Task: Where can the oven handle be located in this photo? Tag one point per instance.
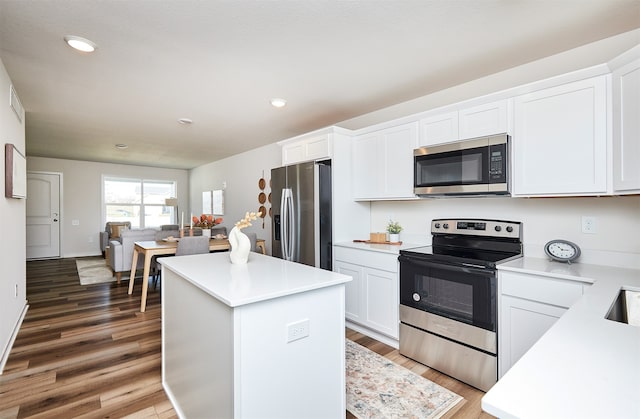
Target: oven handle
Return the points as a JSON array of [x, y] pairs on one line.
[[464, 267]]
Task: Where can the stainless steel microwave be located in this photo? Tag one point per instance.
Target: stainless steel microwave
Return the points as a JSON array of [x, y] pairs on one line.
[[479, 166]]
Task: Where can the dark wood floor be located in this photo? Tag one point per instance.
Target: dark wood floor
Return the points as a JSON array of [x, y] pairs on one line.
[[87, 351]]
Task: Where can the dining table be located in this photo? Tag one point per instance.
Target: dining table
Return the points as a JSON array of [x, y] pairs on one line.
[[152, 248]]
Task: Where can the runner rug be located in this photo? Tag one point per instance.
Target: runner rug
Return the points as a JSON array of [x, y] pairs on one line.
[[379, 388], [94, 270]]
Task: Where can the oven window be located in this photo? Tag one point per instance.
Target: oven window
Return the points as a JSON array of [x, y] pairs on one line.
[[455, 292], [452, 298], [453, 168]]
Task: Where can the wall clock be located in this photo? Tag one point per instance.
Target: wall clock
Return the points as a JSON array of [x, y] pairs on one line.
[[562, 250]]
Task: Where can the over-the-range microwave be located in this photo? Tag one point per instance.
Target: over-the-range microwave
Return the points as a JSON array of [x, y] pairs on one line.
[[478, 166]]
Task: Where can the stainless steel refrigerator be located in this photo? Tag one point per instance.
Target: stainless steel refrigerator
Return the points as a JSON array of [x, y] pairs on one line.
[[301, 222]]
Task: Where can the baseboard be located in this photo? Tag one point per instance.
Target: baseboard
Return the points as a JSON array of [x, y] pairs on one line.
[[373, 334], [14, 334]]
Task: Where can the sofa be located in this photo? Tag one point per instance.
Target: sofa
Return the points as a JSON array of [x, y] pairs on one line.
[[121, 249], [112, 231]]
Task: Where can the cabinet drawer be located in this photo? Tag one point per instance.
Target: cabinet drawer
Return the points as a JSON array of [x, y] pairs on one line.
[[371, 259], [558, 292]]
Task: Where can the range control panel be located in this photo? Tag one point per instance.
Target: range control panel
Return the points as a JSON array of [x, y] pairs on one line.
[[477, 227]]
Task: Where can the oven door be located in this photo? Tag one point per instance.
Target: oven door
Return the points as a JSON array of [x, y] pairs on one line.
[[466, 293], [466, 167]]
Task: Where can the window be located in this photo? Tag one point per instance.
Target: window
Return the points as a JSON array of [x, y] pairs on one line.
[[140, 201]]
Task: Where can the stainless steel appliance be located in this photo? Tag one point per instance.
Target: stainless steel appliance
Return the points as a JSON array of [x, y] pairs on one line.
[[448, 297], [478, 166], [301, 222]]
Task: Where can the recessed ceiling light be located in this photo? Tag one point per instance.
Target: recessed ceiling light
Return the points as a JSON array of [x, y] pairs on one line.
[[185, 121], [278, 103], [122, 146], [81, 44]]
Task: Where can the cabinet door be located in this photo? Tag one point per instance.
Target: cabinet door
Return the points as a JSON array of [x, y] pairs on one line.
[[381, 301], [626, 128], [439, 129], [353, 290], [367, 173], [560, 140], [308, 149], [482, 120], [399, 144], [522, 323], [383, 163]]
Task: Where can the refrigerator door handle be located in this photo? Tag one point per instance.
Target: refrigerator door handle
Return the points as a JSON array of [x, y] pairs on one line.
[[286, 210], [291, 240]]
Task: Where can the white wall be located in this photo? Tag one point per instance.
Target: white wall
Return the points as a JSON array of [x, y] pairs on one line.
[[241, 174], [82, 197], [12, 217], [618, 222]]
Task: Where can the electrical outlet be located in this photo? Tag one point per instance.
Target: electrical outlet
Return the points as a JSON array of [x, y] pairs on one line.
[[16, 291], [589, 225], [297, 330]]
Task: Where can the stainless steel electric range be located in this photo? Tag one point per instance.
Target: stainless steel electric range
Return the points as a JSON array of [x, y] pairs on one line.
[[448, 305]]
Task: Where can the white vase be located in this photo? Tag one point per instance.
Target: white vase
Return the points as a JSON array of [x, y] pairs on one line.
[[206, 232], [394, 238], [240, 246]]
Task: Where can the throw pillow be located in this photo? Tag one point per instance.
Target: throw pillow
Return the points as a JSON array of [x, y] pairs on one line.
[[116, 228]]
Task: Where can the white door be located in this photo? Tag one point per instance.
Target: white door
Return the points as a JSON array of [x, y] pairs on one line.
[[43, 215]]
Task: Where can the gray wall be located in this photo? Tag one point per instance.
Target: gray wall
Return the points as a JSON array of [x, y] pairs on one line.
[[82, 197], [12, 212], [241, 174]]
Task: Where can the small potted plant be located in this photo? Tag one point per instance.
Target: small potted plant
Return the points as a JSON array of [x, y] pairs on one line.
[[394, 228]]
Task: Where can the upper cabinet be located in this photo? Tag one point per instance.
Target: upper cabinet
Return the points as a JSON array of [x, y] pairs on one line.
[[626, 126], [316, 145], [439, 129], [383, 163], [478, 121], [560, 140]]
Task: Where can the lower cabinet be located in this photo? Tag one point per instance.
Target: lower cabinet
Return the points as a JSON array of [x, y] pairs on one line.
[[371, 298], [528, 306]]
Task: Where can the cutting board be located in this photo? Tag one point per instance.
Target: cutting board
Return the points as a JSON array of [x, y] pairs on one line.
[[377, 242]]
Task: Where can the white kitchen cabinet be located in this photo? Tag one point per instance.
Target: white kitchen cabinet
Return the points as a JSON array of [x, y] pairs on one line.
[[465, 123], [560, 140], [483, 120], [312, 146], [626, 128], [528, 306], [383, 163], [439, 129], [372, 297]]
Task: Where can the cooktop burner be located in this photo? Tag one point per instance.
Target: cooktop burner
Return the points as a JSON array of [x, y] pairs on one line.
[[471, 241]]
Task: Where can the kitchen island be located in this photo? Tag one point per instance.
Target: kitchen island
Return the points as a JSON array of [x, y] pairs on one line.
[[264, 339], [584, 366]]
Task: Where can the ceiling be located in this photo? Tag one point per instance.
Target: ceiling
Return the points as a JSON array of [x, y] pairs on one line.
[[219, 63]]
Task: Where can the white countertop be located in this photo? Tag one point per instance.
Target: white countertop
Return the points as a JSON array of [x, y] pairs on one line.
[[383, 248], [585, 366], [261, 278]]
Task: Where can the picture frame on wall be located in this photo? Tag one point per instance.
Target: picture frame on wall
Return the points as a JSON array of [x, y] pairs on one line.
[[15, 176]]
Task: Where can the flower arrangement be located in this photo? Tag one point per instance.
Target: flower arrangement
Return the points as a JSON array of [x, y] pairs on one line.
[[394, 227], [246, 221], [205, 221]]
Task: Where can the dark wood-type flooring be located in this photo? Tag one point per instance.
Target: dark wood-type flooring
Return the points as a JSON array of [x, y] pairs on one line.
[[87, 351]]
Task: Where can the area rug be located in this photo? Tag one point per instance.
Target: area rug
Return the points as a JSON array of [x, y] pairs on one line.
[[379, 388], [94, 270]]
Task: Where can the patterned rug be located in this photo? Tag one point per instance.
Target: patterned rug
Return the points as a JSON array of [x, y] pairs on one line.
[[94, 270], [380, 388]]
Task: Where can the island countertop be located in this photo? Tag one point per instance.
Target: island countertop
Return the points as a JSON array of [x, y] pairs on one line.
[[585, 366], [261, 278]]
